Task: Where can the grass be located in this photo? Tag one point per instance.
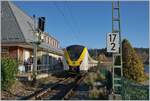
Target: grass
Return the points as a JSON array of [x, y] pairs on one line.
[[94, 92], [90, 79]]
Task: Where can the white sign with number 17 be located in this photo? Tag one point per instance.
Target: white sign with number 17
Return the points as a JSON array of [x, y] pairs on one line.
[[113, 42]]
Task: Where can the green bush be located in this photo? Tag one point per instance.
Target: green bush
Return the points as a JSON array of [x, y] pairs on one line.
[[8, 71]]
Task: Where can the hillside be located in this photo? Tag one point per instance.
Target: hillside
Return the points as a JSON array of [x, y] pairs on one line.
[[143, 54], [99, 53]]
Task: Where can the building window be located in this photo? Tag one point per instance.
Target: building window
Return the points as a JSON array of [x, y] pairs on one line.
[[54, 43], [51, 41], [5, 50], [47, 39], [44, 38], [58, 45]]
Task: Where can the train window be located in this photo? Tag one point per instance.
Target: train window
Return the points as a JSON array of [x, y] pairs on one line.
[[74, 51]]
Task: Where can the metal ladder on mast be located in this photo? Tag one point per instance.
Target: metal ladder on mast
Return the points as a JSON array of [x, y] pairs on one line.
[[117, 67]]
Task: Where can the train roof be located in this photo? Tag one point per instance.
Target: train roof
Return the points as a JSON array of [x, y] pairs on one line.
[[75, 46]]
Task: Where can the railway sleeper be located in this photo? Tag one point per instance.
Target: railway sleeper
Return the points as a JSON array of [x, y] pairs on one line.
[[71, 92]]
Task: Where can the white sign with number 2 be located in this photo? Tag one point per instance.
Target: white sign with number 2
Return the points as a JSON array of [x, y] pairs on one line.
[[113, 42]]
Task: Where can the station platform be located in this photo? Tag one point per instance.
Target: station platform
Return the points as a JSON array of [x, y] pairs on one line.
[[28, 76]]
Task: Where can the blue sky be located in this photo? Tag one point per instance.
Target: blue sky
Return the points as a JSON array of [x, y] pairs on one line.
[[87, 23]]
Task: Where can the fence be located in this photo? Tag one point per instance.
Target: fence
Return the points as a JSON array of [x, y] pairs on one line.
[[42, 68], [134, 91], [130, 90]]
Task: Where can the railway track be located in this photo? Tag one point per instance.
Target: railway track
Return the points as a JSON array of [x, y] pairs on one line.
[[56, 91], [71, 92], [63, 89], [40, 92]]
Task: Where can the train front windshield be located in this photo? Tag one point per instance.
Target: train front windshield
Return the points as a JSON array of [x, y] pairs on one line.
[[74, 52]]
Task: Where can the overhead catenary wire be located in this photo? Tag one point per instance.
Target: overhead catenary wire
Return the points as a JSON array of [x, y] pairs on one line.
[[73, 19], [72, 23], [65, 18]]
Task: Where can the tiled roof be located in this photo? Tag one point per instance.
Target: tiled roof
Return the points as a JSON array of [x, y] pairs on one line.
[[16, 25]]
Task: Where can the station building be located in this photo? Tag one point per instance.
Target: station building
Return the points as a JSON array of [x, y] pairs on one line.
[[17, 36]]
